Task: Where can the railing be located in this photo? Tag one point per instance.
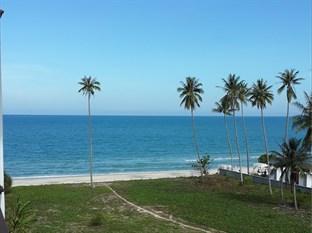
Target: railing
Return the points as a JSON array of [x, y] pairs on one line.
[[3, 226]]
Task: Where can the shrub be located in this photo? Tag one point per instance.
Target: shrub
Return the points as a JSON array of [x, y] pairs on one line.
[[96, 220], [20, 217], [7, 182], [263, 158], [202, 164]]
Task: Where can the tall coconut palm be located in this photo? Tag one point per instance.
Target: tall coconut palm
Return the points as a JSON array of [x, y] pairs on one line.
[[261, 95], [190, 93], [232, 87], [303, 121], [243, 99], [293, 157], [223, 106], [88, 88], [288, 80]]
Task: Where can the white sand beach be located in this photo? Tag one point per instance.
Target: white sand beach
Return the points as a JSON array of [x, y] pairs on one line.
[[109, 177]]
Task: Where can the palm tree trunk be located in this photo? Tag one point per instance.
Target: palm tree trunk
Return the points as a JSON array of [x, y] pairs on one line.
[[245, 136], [282, 184], [286, 123], [90, 143], [266, 151], [195, 140], [228, 141], [295, 196], [194, 136], [237, 147]]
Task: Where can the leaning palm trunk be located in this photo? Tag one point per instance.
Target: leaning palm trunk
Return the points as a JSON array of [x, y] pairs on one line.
[[266, 151], [195, 141], [286, 123], [245, 137], [228, 141], [237, 147], [90, 143]]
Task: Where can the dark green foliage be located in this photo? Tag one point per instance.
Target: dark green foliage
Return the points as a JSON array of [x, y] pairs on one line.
[[293, 158], [97, 220], [232, 87], [7, 182], [303, 122], [263, 158], [223, 106], [288, 80], [190, 93], [260, 94], [202, 164], [20, 217], [89, 85]]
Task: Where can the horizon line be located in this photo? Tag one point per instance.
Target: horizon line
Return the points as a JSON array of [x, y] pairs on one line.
[[134, 115]]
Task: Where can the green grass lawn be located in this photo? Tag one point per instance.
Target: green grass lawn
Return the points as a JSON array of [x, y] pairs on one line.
[[70, 208], [219, 203]]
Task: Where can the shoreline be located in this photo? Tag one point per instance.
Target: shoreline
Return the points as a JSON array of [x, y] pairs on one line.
[[104, 177], [109, 177]]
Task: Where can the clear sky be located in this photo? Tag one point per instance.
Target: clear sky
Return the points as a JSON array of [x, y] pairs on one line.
[[139, 50]]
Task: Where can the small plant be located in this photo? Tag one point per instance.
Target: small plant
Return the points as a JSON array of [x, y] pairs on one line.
[[7, 182], [202, 164], [21, 217], [96, 220]]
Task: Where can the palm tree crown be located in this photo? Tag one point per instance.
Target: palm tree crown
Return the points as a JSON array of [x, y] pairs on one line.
[[292, 159], [260, 94], [243, 92], [223, 106], [303, 121], [190, 92], [288, 80], [293, 156], [232, 89], [89, 85]]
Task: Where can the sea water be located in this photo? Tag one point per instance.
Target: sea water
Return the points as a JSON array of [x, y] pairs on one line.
[[58, 145]]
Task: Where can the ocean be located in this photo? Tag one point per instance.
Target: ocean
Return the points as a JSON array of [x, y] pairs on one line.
[[58, 145]]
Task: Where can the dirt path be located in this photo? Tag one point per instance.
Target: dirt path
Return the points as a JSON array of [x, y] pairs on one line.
[[152, 213]]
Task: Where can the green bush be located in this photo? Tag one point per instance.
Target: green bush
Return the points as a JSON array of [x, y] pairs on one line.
[[202, 164], [263, 158], [7, 182], [96, 220]]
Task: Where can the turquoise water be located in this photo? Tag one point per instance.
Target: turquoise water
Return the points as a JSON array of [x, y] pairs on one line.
[[58, 145]]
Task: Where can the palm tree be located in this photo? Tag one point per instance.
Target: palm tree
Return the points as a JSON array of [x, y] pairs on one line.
[[190, 93], [288, 80], [261, 95], [88, 88], [223, 106], [243, 99], [303, 121], [232, 88], [293, 158]]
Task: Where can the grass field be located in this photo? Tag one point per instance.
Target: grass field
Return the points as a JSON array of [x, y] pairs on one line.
[[218, 202], [221, 203]]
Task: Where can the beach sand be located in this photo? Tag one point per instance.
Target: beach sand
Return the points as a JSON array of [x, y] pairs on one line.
[[108, 177]]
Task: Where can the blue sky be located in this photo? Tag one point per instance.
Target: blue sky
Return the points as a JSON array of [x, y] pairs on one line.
[[140, 50]]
